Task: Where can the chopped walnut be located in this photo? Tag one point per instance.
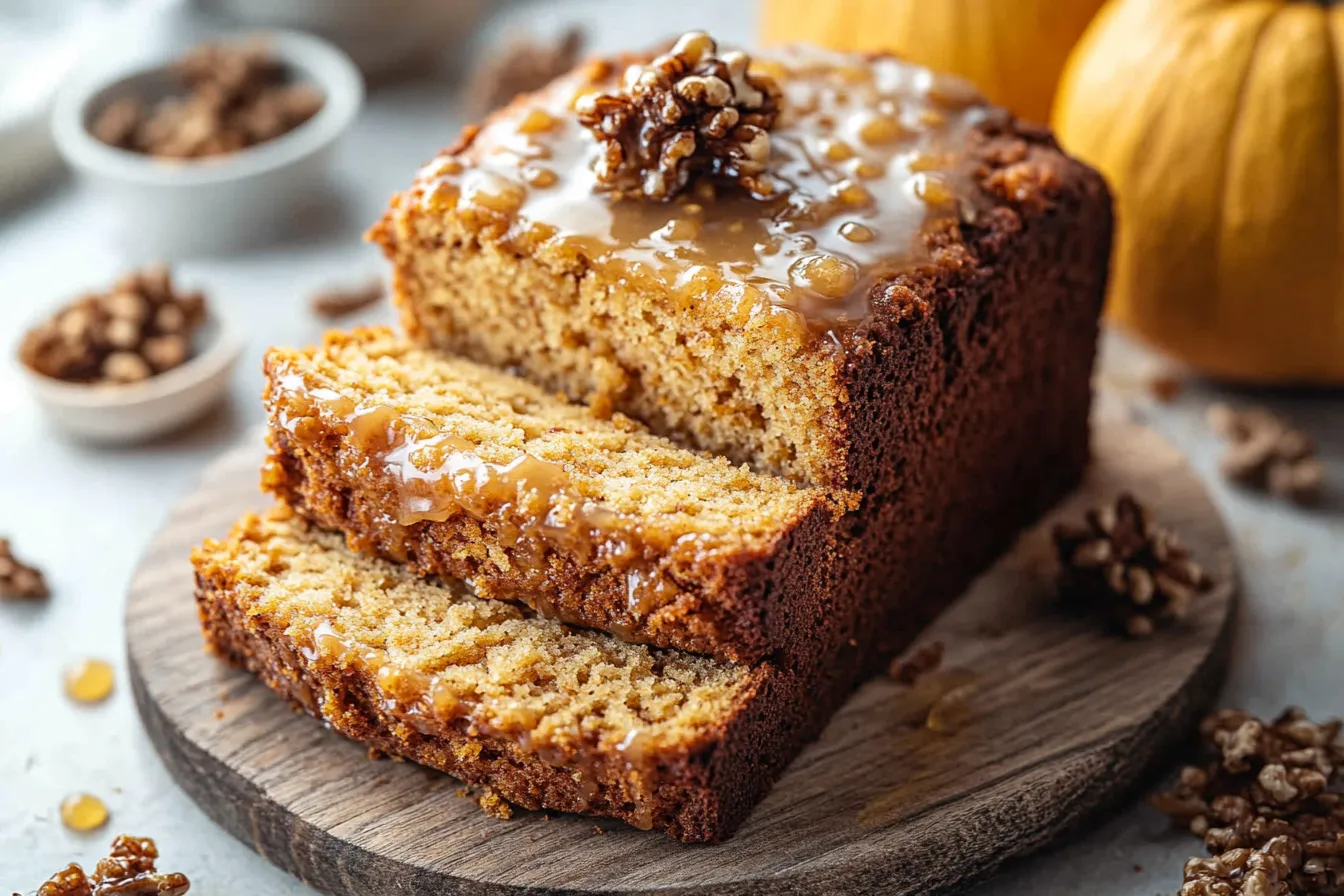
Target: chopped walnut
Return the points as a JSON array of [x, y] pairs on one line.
[[1245, 872], [1129, 568], [687, 113], [17, 579], [238, 95], [128, 870], [340, 301], [140, 327], [1264, 781], [919, 662], [524, 65], [1265, 452]]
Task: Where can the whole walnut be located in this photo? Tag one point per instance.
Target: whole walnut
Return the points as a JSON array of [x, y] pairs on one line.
[[688, 113]]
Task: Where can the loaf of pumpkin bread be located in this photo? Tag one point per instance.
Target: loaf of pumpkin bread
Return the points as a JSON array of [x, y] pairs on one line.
[[551, 717], [875, 282], [466, 472]]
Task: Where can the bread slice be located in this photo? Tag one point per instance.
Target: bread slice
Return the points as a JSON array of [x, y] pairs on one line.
[[469, 473], [550, 716]]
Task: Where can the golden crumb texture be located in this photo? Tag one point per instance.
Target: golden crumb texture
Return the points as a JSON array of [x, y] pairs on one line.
[[547, 715]]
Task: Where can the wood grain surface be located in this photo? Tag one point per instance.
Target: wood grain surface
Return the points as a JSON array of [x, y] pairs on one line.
[[1064, 722]]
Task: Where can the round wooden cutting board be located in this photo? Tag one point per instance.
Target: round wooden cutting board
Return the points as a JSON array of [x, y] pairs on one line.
[[1065, 721]]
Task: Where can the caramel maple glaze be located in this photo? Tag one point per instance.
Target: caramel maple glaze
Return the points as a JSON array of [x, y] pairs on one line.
[[720, 317], [550, 716], [465, 472]]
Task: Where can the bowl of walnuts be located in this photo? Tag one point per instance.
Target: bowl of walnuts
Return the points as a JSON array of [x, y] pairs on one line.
[[223, 147], [132, 362]]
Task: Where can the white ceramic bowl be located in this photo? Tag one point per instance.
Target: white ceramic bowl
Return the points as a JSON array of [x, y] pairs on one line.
[[137, 412], [168, 208]]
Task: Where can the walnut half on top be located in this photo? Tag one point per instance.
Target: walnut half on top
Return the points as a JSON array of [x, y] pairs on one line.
[[688, 112]]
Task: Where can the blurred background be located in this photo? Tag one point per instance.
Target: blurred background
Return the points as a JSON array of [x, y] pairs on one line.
[[1217, 125]]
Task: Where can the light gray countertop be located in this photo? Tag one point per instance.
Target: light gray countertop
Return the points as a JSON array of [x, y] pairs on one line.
[[84, 514]]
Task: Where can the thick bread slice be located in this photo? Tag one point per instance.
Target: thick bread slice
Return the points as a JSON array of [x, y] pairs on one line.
[[548, 715], [466, 472]]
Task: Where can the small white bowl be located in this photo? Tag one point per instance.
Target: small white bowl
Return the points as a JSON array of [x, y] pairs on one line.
[[171, 208], [136, 412]]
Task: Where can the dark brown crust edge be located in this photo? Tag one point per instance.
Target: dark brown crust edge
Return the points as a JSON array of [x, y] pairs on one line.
[[741, 607], [700, 793]]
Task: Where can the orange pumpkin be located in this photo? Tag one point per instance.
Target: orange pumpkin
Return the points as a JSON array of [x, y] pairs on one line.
[[1012, 49], [1217, 123]]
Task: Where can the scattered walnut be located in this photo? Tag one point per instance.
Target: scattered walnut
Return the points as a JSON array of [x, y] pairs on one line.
[[128, 870], [138, 328], [920, 661], [237, 96], [1266, 452], [524, 65], [1127, 567], [1245, 872], [1261, 782], [17, 579], [338, 301], [689, 112]]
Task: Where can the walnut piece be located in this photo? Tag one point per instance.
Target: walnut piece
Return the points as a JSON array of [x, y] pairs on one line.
[[524, 65], [1128, 568], [128, 870], [340, 301], [1266, 452], [1245, 872], [1263, 782], [17, 579], [237, 95], [140, 327], [688, 113]]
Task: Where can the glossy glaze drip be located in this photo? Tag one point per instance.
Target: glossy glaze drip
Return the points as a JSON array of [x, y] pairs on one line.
[[431, 704], [864, 155], [89, 681], [83, 812], [531, 504]]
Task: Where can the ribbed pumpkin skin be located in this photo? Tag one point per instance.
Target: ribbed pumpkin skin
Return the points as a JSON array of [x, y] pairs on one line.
[[1217, 123], [1012, 49]]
